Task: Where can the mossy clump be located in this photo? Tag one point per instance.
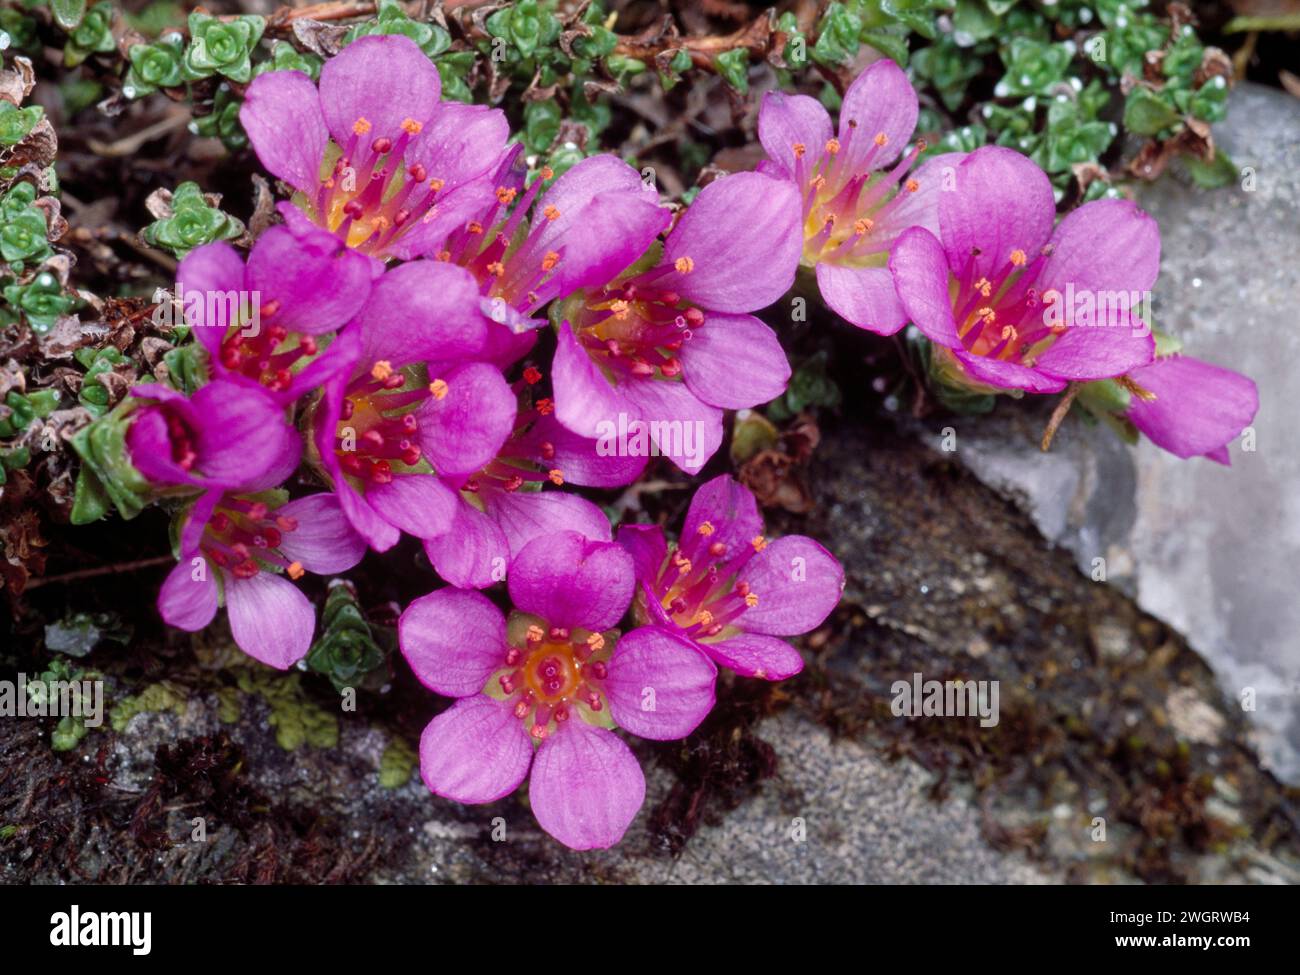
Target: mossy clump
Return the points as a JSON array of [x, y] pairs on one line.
[[297, 719]]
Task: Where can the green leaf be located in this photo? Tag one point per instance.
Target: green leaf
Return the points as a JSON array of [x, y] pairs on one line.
[[90, 502], [1218, 172], [17, 123], [1147, 113], [893, 46], [541, 125], [973, 21], [192, 224], [68, 13], [347, 649], [733, 67]]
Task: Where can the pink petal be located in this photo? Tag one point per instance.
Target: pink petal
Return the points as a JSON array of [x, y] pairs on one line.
[[756, 655], [185, 602], [524, 515], [270, 619], [1085, 353], [589, 178], [717, 234], [862, 296], [282, 116], [1198, 407], [683, 428], [797, 582], [460, 142], [456, 206], [731, 512], [1103, 246], [473, 552], [1007, 375], [584, 398], [785, 121], [214, 268], [603, 239], [659, 685], [933, 177], [1002, 202], [453, 639], [475, 751], [418, 504], [586, 787], [646, 545], [383, 79], [375, 529], [880, 100], [324, 541], [550, 444], [422, 311], [464, 430], [735, 361], [572, 581], [316, 281], [244, 441], [919, 268]]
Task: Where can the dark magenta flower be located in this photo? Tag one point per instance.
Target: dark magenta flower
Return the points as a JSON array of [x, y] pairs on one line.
[[374, 154], [728, 590], [266, 323], [1189, 407], [666, 350], [502, 505], [543, 690], [858, 189], [233, 549], [997, 290], [590, 225], [224, 436], [411, 404]]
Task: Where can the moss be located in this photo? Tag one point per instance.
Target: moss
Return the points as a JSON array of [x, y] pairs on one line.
[[297, 719], [397, 764], [229, 706], [162, 696]]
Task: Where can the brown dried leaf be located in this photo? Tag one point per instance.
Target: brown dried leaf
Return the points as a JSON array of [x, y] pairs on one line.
[[17, 82], [322, 39]]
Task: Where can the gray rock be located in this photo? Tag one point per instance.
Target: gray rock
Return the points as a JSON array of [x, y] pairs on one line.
[[1212, 551], [839, 813]]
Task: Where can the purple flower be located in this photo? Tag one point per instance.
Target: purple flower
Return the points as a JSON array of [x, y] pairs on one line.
[[262, 323], [855, 189], [727, 589], [668, 349], [990, 291], [1189, 407], [590, 225], [374, 155], [410, 406], [543, 689], [233, 548], [501, 507], [224, 436]]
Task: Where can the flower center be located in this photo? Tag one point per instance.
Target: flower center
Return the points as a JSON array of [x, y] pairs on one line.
[[512, 263], [847, 206], [370, 196], [182, 440], [241, 535], [378, 426], [553, 675], [638, 331], [1002, 316], [269, 356], [697, 584]]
